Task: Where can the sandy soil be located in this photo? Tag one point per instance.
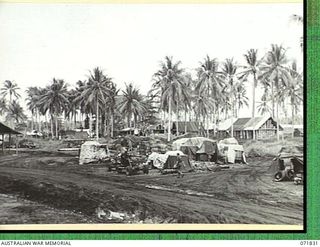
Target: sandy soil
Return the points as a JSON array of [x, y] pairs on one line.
[[79, 194]]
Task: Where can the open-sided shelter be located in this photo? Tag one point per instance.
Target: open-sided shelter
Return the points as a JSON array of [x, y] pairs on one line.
[[208, 151], [5, 130], [186, 127]]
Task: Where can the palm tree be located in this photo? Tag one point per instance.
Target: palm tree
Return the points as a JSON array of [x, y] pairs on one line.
[[3, 106], [95, 92], [15, 112], [131, 103], [80, 102], [229, 70], [241, 98], [210, 82], [10, 88], [112, 105], [54, 100], [203, 106], [275, 71], [170, 84], [33, 95], [251, 68], [187, 96], [263, 106], [294, 91], [72, 107]]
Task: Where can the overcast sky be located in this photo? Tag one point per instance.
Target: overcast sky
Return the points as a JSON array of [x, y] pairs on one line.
[[42, 41]]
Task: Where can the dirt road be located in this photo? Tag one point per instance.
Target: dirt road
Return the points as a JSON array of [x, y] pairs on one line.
[[241, 195]]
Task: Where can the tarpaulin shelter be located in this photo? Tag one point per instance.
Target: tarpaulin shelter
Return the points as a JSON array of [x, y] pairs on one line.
[[190, 151], [229, 141], [199, 148], [208, 151], [297, 162], [169, 159], [5, 130], [172, 160], [193, 141]]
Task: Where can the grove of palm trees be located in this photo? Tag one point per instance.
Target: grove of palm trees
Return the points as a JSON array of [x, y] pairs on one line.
[[217, 91]]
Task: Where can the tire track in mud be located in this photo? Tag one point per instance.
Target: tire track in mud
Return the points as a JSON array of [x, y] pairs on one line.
[[238, 195]]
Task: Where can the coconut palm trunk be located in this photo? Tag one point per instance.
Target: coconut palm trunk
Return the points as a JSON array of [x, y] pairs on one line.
[[164, 117], [292, 115], [39, 121], [134, 121], [129, 119], [214, 120], [75, 118], [111, 120], [199, 124], [177, 123], [272, 97], [254, 94], [57, 134], [32, 121], [185, 120], [105, 123], [46, 126], [278, 134], [169, 120], [97, 120], [207, 125], [51, 123], [232, 112]]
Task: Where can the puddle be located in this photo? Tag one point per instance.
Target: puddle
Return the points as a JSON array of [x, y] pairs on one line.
[[188, 192]]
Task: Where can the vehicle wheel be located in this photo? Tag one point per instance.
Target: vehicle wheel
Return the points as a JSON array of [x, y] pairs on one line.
[[129, 171], [279, 176], [145, 170], [290, 174]]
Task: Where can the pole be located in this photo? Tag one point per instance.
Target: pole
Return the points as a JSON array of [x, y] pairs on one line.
[[9, 142], [3, 143], [17, 142]]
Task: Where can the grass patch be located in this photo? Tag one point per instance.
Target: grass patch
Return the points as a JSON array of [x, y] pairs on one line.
[[269, 147]]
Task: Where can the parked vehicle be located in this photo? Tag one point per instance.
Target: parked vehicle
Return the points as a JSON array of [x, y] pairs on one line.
[[289, 165], [25, 143], [129, 164]]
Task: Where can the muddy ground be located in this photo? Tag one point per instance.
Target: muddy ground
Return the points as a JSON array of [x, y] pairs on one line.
[[50, 187]]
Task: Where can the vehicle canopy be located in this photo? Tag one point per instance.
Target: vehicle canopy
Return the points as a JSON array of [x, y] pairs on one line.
[[289, 156]]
